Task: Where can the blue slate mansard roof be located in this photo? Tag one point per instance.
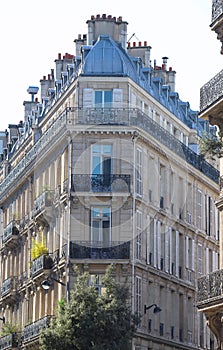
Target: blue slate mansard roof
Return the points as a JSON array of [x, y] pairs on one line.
[[107, 58]]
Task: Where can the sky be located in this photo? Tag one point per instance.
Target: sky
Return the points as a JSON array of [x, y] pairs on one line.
[[33, 33]]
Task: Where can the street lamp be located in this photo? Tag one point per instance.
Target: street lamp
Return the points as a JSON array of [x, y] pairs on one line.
[[155, 310], [46, 284]]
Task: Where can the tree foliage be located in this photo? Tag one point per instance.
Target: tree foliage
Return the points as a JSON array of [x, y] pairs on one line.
[[92, 321], [211, 146]]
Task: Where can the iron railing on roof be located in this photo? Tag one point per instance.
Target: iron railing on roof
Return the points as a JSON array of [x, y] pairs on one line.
[[130, 117]]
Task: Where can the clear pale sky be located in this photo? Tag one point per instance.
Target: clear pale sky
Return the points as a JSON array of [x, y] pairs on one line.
[[34, 32]]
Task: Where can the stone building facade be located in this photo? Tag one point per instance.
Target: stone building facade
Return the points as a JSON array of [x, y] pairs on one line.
[[210, 294], [105, 169]]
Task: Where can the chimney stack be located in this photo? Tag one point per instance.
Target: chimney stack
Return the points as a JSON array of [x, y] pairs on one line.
[[116, 28]]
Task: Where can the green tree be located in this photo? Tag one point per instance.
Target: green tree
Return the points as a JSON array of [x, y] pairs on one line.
[[92, 321], [211, 145]]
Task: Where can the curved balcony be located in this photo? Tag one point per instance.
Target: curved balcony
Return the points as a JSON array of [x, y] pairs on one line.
[[100, 183], [10, 234], [43, 262], [99, 250], [43, 204], [9, 341], [210, 289], [32, 331], [9, 288], [217, 9]]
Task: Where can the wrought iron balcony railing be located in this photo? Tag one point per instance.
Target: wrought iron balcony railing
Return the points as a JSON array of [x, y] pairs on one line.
[[8, 285], [10, 231], [210, 287], [99, 250], [217, 9], [43, 201], [212, 91], [33, 330], [43, 262], [100, 183], [9, 341]]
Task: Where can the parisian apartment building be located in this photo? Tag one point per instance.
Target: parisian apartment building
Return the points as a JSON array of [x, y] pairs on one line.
[[104, 168], [210, 291]]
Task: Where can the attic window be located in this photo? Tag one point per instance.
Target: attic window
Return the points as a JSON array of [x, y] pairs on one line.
[[103, 98]]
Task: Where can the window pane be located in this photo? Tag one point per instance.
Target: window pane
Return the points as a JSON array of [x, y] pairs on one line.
[[96, 148], [96, 231], [107, 166], [98, 97], [96, 166], [106, 213], [96, 213], [107, 149], [107, 96], [106, 232]]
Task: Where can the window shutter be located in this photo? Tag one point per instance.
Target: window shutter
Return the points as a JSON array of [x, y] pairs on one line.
[[187, 252], [207, 260], [192, 254], [177, 253], [117, 98], [133, 100], [148, 238], [88, 98], [171, 251], [159, 244], [154, 243], [167, 256]]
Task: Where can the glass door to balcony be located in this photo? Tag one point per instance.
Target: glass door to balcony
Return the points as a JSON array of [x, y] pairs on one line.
[[100, 227], [101, 168]]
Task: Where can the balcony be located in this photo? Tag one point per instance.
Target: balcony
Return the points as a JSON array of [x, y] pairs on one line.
[[100, 183], [217, 20], [211, 97], [9, 341], [99, 250], [10, 234], [42, 202], [217, 10], [210, 289], [32, 331], [88, 117], [43, 262], [9, 286]]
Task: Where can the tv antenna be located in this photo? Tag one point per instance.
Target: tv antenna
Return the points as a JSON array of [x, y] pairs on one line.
[[133, 35]]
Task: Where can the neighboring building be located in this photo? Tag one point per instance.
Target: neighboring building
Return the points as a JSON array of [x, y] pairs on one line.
[[210, 292], [105, 169]]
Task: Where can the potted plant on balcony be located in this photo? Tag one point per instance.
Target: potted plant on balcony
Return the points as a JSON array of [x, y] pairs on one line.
[[38, 249], [10, 332]]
